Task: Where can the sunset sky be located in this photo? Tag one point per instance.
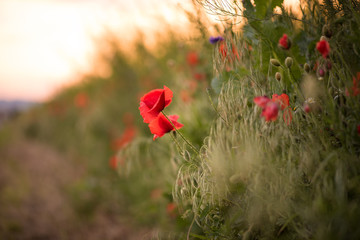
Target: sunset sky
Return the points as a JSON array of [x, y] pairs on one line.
[[46, 44]]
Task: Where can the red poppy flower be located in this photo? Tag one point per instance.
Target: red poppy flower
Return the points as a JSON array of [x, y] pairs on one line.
[[323, 47], [170, 209], [262, 101], [282, 100], [128, 135], [153, 102], [355, 89], [223, 49], [284, 42], [270, 112], [160, 125], [113, 162], [81, 100], [192, 58], [358, 129]]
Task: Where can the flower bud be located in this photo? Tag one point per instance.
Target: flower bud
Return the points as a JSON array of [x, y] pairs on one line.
[[307, 67], [307, 108], [278, 76], [321, 72], [288, 62], [323, 38], [326, 31], [275, 62]]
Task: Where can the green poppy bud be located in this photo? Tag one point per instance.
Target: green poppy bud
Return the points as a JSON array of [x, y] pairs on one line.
[[307, 67], [275, 62], [288, 62], [278, 76]]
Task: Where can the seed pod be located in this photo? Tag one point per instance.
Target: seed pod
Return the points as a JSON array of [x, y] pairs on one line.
[[275, 62], [288, 62], [278, 76], [307, 67], [323, 38], [326, 31]]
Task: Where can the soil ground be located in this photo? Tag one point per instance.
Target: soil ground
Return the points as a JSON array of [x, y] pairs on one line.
[[33, 203]]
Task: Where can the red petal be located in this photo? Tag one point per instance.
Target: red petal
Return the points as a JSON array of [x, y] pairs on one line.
[[168, 95], [160, 125], [261, 101]]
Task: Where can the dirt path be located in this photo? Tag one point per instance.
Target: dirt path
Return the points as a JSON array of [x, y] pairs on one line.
[[33, 203]]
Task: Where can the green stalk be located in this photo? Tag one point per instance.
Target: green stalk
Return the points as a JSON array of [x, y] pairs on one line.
[[182, 136]]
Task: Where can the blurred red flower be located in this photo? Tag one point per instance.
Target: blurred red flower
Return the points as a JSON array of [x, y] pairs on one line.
[[192, 59], [270, 112], [282, 100], [223, 49], [262, 101], [81, 100], [114, 162], [355, 89], [323, 47], [127, 136], [170, 209], [307, 108], [270, 108], [284, 42], [358, 129], [160, 125], [153, 102]]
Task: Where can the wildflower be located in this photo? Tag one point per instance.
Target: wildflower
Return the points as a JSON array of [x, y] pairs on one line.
[[113, 162], [160, 125], [81, 100], [170, 209], [153, 102], [199, 76], [192, 59], [323, 47], [321, 72], [223, 49], [270, 112], [355, 89], [185, 96], [282, 100], [262, 101], [214, 40], [284, 42], [128, 135], [307, 108]]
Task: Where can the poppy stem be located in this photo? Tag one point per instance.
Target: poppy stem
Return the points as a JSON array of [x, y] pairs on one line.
[[182, 136]]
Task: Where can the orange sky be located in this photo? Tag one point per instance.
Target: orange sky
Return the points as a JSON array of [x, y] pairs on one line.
[[45, 44]]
